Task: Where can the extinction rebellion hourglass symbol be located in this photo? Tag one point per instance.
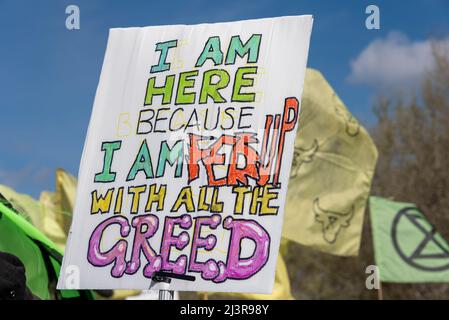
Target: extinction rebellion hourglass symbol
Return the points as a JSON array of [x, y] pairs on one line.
[[429, 254]]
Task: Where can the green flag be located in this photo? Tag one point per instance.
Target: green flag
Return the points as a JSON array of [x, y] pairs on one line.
[[13, 241], [41, 257], [407, 247]]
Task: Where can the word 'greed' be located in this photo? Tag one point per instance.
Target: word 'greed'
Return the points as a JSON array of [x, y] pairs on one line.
[[146, 226]]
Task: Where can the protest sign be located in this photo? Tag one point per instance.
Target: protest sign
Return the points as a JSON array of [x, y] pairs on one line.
[[187, 157]]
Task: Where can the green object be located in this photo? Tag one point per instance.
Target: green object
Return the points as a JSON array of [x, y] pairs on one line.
[[14, 241], [41, 257], [408, 249]]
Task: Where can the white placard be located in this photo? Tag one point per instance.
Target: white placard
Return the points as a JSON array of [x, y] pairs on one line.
[[187, 157]]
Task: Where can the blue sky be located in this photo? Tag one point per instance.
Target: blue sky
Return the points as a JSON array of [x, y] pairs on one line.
[[49, 74]]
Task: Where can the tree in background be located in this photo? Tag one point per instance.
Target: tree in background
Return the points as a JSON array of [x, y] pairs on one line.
[[412, 136], [413, 143]]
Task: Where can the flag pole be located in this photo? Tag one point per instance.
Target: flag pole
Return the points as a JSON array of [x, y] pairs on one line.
[[380, 293], [164, 278], [165, 293]]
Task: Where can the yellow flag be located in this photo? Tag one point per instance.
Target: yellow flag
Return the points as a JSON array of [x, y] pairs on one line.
[[333, 165], [41, 213], [50, 214], [28, 207], [65, 198]]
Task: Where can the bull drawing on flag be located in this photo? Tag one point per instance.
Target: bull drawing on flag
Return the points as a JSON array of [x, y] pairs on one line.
[[331, 221]]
